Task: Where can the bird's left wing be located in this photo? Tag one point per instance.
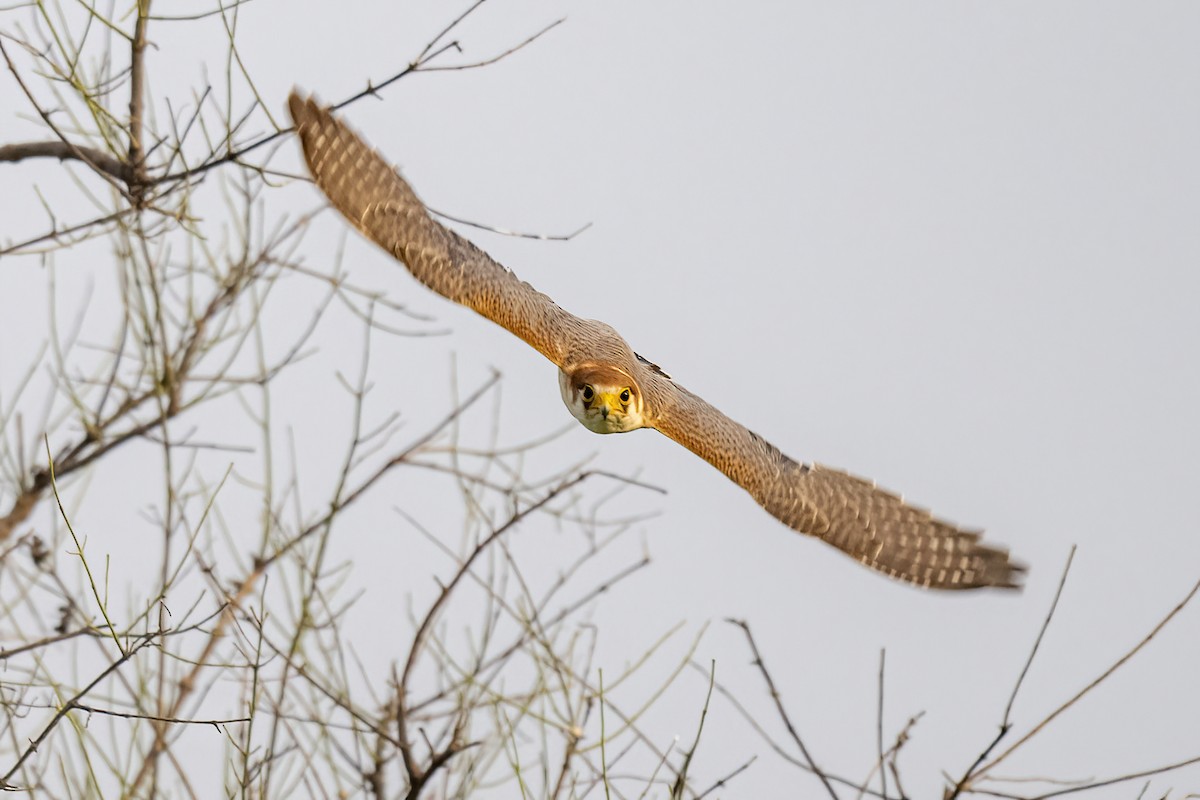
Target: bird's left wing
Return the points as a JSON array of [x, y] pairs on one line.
[[872, 526], [370, 193]]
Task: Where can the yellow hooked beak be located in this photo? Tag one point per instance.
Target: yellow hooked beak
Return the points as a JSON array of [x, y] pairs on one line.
[[607, 403]]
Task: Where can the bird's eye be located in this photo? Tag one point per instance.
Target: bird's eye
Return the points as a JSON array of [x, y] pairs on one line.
[[588, 393], [625, 396]]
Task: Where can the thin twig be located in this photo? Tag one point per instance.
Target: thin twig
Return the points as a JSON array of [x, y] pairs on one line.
[[1100, 679], [56, 233], [81, 155], [545, 237], [1062, 582], [603, 740], [721, 782], [171, 720], [79, 551], [1083, 787], [415, 773], [70, 704], [964, 783], [879, 724], [681, 778], [498, 57], [778, 700], [372, 90]]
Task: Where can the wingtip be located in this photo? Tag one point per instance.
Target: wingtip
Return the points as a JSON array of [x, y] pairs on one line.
[[1016, 576], [1001, 571], [300, 105]]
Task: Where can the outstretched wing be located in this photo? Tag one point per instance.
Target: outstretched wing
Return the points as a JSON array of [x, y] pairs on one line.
[[870, 525], [877, 528], [370, 193]]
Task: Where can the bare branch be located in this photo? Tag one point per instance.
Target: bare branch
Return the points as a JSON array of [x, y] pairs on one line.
[[724, 781], [1086, 786], [498, 57], [879, 725], [137, 93], [545, 237], [1099, 679], [778, 700], [64, 151], [109, 712], [70, 704], [681, 778], [965, 782], [1062, 582]]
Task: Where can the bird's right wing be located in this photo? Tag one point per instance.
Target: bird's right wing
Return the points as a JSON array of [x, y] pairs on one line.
[[875, 527], [370, 193]]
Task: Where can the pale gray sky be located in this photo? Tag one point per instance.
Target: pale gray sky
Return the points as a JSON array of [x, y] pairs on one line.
[[950, 246]]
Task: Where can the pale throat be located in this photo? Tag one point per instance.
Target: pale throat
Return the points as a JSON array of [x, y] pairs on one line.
[[604, 412]]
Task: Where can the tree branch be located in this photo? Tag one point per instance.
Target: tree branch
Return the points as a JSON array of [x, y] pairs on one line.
[[137, 99], [777, 699], [95, 158]]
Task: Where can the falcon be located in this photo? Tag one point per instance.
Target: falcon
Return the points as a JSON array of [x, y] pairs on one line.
[[611, 389]]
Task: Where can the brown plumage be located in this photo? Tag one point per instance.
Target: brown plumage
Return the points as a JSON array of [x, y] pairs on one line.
[[873, 526]]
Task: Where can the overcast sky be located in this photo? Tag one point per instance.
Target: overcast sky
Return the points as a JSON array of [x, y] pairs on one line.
[[950, 246]]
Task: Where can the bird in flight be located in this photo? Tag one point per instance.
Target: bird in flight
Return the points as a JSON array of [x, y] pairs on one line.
[[611, 389]]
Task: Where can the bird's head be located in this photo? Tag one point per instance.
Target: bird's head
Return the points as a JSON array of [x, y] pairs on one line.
[[603, 398]]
